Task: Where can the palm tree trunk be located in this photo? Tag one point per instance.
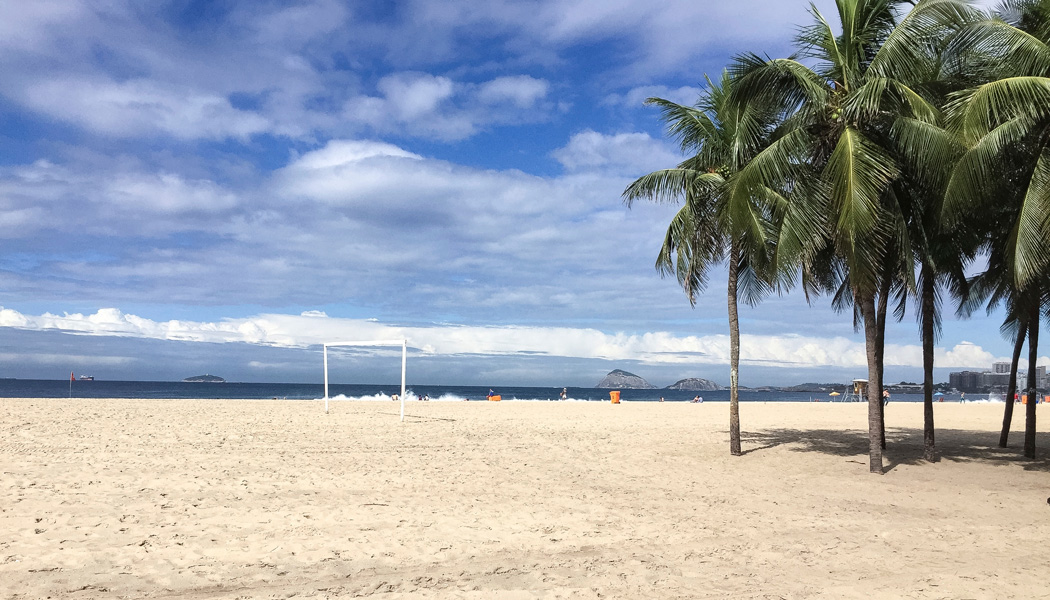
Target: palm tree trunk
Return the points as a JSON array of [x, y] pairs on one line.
[[1033, 398], [734, 352], [880, 352], [866, 302], [929, 446], [1011, 389]]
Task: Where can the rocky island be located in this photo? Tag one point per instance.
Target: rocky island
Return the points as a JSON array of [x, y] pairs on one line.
[[204, 379], [618, 379], [695, 384]]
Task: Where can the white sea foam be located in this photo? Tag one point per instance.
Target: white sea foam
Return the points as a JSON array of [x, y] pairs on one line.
[[411, 396]]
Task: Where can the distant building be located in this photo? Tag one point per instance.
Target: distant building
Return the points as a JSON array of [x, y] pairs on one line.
[[998, 379], [965, 381]]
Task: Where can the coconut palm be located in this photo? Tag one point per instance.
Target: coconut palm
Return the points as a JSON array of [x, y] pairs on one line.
[[713, 225], [864, 82], [1005, 124]]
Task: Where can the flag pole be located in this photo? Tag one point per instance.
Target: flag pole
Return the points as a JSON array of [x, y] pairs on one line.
[[71, 384]]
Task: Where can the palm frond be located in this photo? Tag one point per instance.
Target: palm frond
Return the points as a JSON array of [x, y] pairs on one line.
[[977, 170], [673, 185], [1017, 52], [980, 110], [908, 49], [859, 171], [1032, 254], [784, 82]]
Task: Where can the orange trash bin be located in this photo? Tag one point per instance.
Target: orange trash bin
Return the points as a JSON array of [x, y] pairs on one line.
[[615, 397]]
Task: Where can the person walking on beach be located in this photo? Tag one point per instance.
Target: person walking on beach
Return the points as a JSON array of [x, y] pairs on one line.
[[564, 393]]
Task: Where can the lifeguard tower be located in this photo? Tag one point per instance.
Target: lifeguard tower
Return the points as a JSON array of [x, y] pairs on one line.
[[859, 393]]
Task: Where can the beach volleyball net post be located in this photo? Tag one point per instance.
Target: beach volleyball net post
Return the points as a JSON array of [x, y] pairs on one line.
[[404, 363]]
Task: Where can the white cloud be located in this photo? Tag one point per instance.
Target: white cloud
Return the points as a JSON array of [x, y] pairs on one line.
[[302, 70], [636, 97], [655, 348], [627, 153], [168, 193], [107, 199], [353, 221], [303, 22], [429, 106], [522, 91], [414, 95], [29, 24], [967, 354], [337, 153], [141, 108]]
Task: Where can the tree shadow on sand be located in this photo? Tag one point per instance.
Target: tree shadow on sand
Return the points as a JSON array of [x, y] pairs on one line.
[[904, 446]]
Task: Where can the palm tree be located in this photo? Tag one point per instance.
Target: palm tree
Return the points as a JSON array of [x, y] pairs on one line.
[[1006, 126], [994, 288], [713, 225], [842, 111]]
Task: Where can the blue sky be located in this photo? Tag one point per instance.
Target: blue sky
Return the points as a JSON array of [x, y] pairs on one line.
[[222, 186]]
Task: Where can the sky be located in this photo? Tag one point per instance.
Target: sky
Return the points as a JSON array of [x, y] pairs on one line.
[[223, 186]]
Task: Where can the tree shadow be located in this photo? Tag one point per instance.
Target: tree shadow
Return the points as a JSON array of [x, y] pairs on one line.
[[904, 446]]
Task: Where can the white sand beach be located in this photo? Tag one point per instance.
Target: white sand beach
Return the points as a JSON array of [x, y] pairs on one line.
[[275, 499]]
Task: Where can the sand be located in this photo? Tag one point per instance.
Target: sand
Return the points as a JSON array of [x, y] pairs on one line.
[[275, 499]]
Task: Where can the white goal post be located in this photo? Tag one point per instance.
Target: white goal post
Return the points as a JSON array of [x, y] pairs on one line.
[[404, 360]]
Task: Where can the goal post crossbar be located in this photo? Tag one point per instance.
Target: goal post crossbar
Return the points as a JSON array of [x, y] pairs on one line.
[[404, 360]]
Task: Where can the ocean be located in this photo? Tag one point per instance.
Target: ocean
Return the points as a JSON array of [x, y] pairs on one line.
[[40, 388]]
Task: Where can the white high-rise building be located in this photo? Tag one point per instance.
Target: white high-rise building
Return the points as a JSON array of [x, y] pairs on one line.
[[1000, 368]]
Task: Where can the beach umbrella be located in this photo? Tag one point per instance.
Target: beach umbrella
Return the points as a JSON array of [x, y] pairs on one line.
[[938, 394], [834, 394]]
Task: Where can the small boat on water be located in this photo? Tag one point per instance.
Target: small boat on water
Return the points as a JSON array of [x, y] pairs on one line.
[[87, 378]]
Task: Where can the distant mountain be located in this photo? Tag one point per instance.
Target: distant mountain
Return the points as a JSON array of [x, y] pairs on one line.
[[204, 379], [814, 387], [695, 384], [618, 379]]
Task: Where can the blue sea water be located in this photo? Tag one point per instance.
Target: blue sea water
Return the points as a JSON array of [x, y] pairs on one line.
[[39, 388]]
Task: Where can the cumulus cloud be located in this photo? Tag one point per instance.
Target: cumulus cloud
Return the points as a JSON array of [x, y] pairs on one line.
[[142, 107], [358, 221], [413, 95], [106, 199], [631, 153], [425, 105], [967, 354], [522, 91], [304, 70], [168, 193], [156, 171], [656, 348]]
